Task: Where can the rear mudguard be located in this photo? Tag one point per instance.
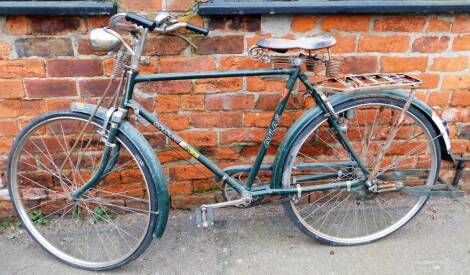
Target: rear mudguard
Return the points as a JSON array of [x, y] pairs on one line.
[[149, 159], [310, 115]]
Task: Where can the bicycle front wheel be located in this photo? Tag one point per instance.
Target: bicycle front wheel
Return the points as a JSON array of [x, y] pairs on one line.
[[359, 215], [108, 226]]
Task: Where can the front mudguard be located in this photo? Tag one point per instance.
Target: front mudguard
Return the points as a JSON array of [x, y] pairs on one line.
[[163, 199], [310, 115]]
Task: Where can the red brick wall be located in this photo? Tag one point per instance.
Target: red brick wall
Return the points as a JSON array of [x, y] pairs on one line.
[[47, 62]]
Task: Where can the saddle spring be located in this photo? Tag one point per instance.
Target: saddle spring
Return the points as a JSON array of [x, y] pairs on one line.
[[314, 62]]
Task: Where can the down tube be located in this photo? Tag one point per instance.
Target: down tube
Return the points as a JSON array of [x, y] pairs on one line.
[[188, 148]]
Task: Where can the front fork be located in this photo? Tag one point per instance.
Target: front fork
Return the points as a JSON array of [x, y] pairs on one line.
[[110, 154]]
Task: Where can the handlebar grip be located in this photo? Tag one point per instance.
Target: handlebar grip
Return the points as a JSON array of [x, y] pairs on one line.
[[141, 21], [197, 29]]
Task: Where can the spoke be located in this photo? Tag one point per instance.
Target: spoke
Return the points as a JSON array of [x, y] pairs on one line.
[[325, 203], [120, 194], [130, 209], [327, 214], [406, 156]]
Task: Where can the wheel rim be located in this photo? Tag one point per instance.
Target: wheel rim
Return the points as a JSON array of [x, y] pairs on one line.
[[104, 227], [337, 215]]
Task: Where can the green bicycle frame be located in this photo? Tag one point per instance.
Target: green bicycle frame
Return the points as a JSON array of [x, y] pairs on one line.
[[293, 74]]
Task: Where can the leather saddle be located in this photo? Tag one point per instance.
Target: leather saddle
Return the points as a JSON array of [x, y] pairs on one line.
[[305, 43]]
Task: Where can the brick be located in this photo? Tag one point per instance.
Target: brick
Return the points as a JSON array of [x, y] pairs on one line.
[[187, 64], [193, 201], [458, 82], [84, 48], [74, 67], [439, 99], [50, 88], [8, 128], [57, 25], [250, 23], [216, 120], [241, 63], [167, 87], [200, 138], [450, 64], [218, 85], [430, 44], [98, 21], [251, 41], [242, 136], [156, 140], [344, 44], [96, 87], [252, 151], [175, 122], [461, 43], [189, 172], [462, 23], [400, 24], [386, 44], [165, 45], [173, 155], [167, 103], [9, 108], [221, 153], [346, 23], [142, 5], [220, 44], [358, 64], [229, 102], [11, 88], [268, 101], [180, 188], [179, 5], [430, 81], [54, 104], [33, 107], [268, 85], [205, 185], [455, 114], [403, 64], [461, 98], [5, 50], [303, 23], [17, 25], [43, 47], [22, 68], [437, 24], [263, 119], [192, 102], [145, 68]]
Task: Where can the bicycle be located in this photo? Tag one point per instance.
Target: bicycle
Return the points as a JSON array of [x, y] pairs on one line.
[[359, 165]]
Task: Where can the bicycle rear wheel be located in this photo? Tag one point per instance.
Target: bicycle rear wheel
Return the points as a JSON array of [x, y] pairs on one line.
[[358, 216], [108, 226]]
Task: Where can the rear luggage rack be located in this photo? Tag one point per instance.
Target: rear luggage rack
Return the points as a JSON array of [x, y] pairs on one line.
[[368, 82]]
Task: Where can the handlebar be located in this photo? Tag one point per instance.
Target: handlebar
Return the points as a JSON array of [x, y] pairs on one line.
[[152, 25], [141, 21], [197, 29]]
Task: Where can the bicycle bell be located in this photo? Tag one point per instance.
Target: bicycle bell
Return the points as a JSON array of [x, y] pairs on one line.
[[105, 39]]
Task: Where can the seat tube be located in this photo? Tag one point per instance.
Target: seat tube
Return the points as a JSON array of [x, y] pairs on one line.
[[327, 109], [272, 127]]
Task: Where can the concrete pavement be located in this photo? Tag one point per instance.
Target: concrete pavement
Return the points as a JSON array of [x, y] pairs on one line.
[[262, 240]]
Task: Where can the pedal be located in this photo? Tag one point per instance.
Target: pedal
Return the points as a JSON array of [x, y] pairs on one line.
[[204, 216]]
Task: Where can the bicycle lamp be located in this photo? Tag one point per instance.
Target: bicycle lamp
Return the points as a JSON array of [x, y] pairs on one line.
[[105, 39]]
